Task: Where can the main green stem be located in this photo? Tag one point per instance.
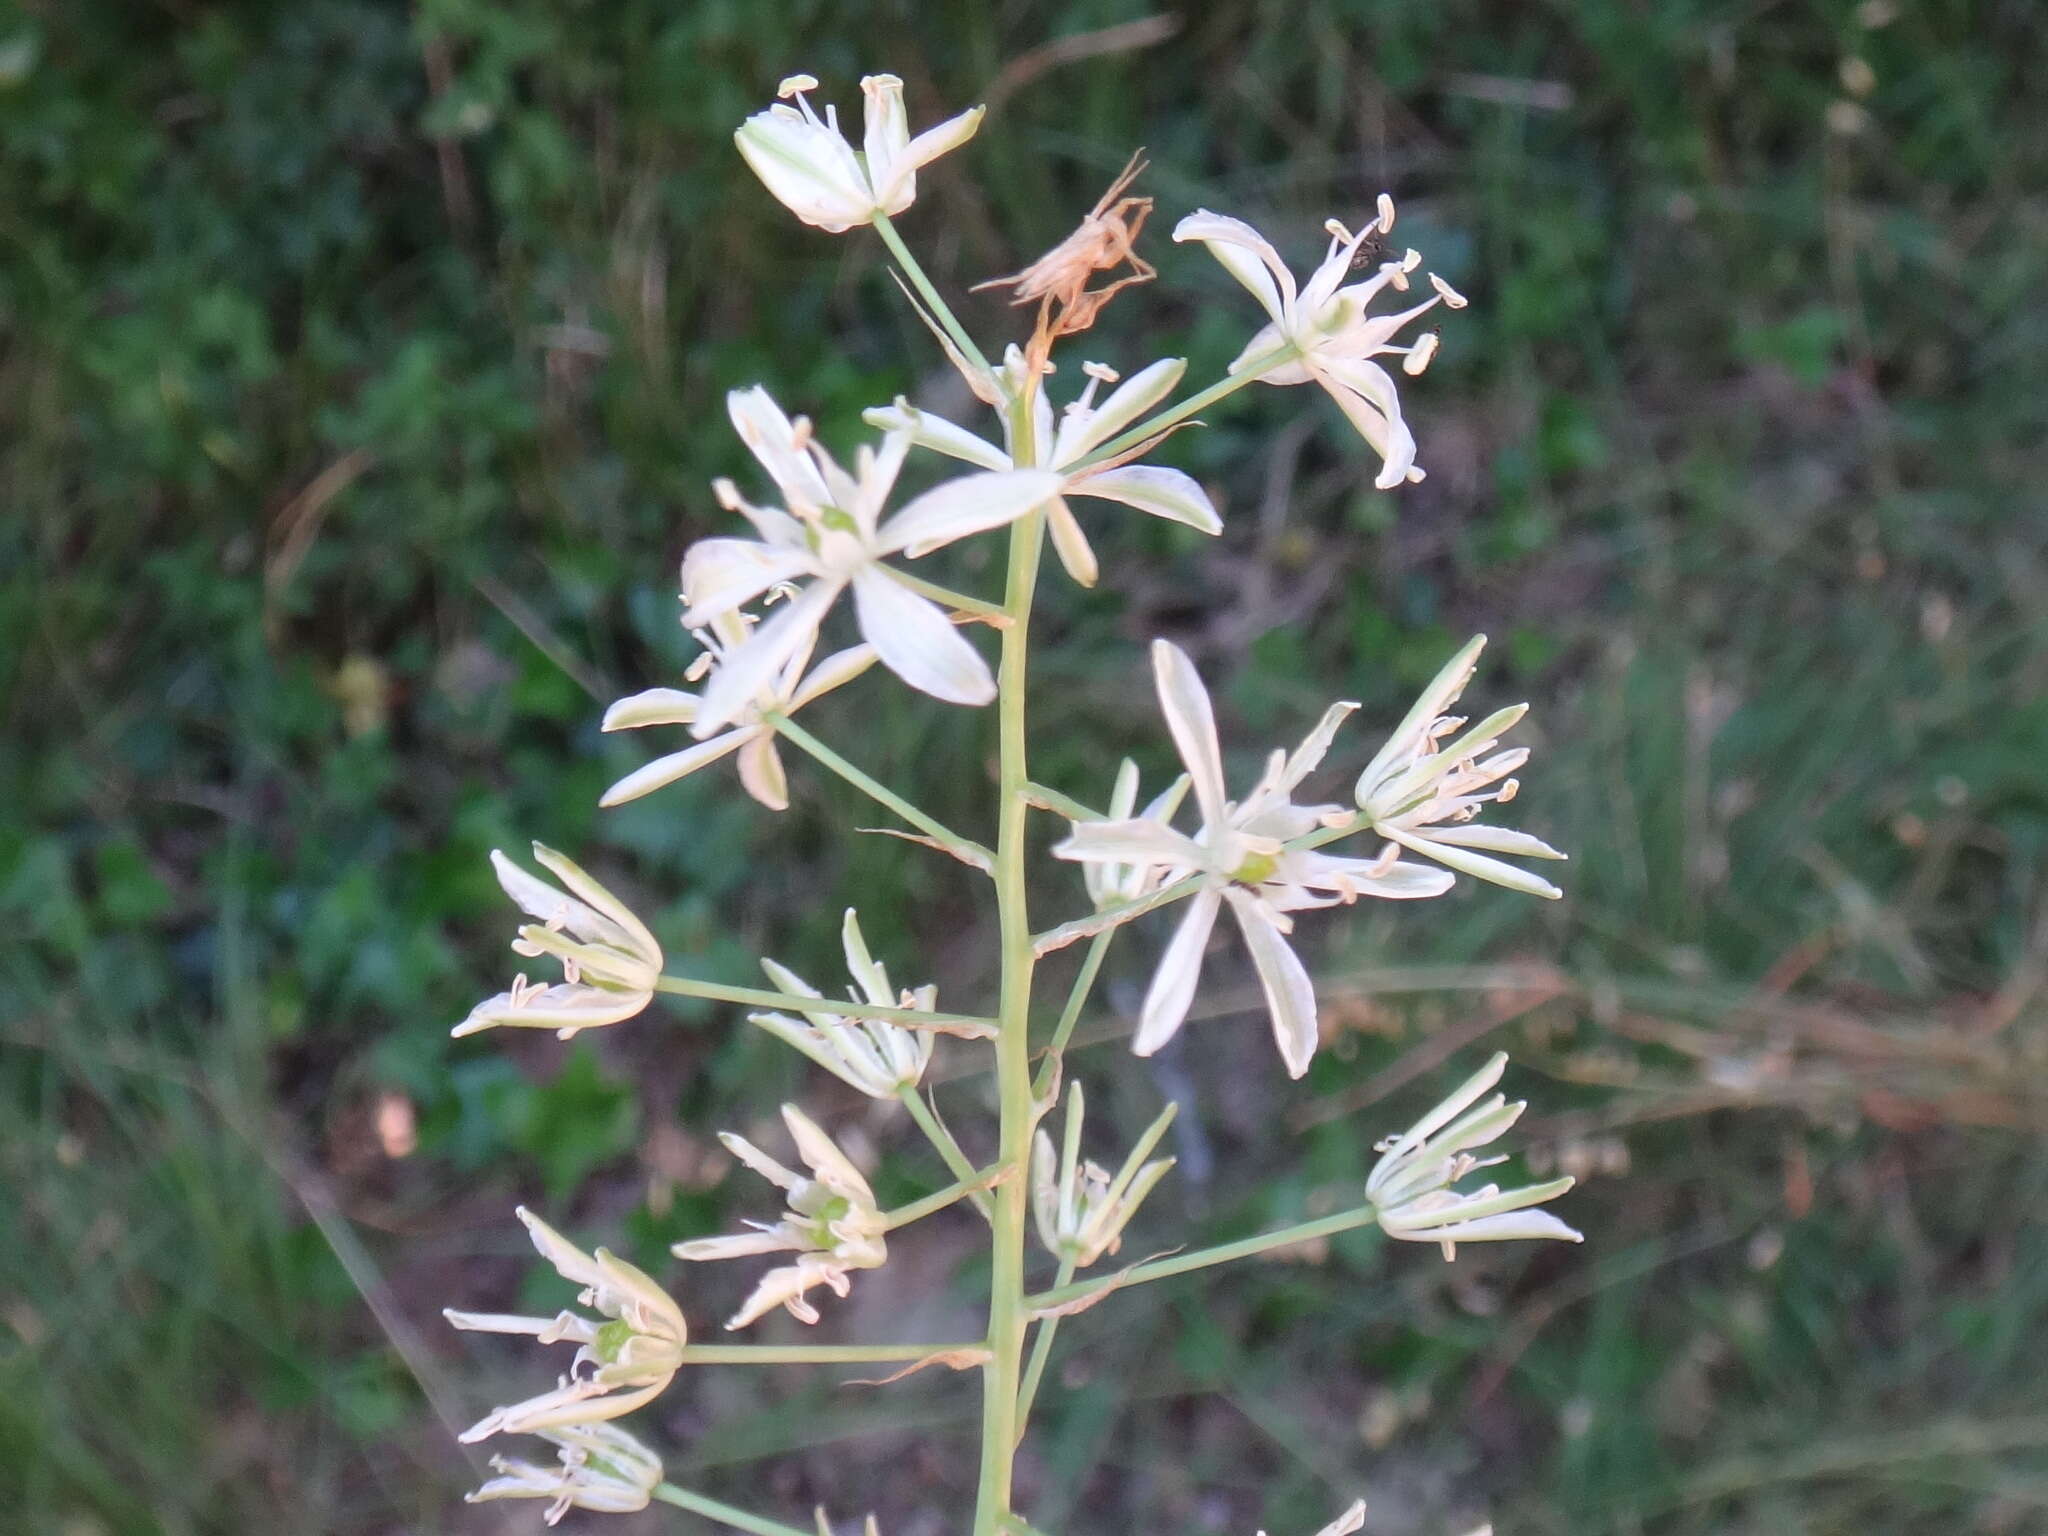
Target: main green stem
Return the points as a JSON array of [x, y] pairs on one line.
[[1007, 1318]]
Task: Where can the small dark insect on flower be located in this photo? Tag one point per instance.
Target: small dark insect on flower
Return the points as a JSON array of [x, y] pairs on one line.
[[1105, 240]]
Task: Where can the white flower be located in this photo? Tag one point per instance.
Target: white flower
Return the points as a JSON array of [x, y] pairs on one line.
[[1410, 1185], [1423, 793], [1242, 858], [876, 1056], [833, 536], [832, 1224], [610, 961], [1323, 330], [1082, 428], [752, 735], [816, 174], [602, 1468], [1345, 1524], [1112, 884], [620, 1364], [1080, 1210]]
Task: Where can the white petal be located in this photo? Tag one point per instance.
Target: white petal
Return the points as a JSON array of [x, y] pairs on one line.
[[564, 1007], [1135, 841], [1077, 555], [1126, 403], [1478, 865], [969, 504], [1172, 991], [653, 706], [772, 438], [929, 430], [537, 899], [896, 192], [918, 642], [808, 168], [1401, 881], [575, 1402], [720, 575], [1457, 1101], [1290, 996], [742, 675], [739, 1245], [570, 1262], [615, 912], [822, 1156], [1185, 703], [1265, 342], [888, 127], [1365, 392], [1307, 757], [666, 770], [1495, 839], [835, 671], [761, 773], [498, 1322], [1150, 488], [1246, 255], [1439, 696]]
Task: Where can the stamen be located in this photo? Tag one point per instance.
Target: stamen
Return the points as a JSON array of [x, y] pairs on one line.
[[796, 85], [1420, 354], [1386, 211], [1452, 297]]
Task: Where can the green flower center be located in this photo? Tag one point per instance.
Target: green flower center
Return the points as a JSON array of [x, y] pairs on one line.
[[1257, 869], [612, 1340]]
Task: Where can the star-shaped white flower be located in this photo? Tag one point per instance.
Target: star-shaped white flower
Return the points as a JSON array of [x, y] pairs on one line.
[[877, 1056], [1411, 1184], [620, 1364], [1422, 791], [751, 735], [816, 174], [601, 1468], [1082, 427], [1242, 858], [1323, 328], [610, 961], [833, 536], [833, 1224]]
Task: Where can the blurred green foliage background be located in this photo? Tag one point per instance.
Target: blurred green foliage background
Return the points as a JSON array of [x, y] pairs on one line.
[[361, 378]]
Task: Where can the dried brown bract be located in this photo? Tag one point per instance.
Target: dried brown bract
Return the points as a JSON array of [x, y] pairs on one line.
[[1058, 281]]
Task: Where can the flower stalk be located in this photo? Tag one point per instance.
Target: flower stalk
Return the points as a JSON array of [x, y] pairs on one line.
[[833, 546]]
